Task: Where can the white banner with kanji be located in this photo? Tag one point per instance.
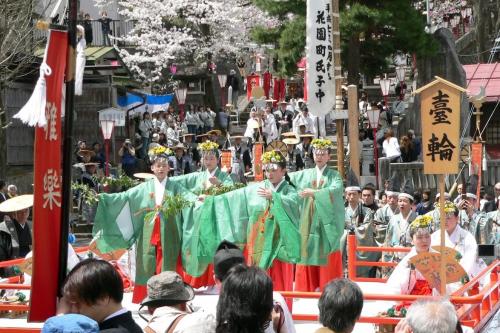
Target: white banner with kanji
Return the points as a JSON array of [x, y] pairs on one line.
[[319, 58]]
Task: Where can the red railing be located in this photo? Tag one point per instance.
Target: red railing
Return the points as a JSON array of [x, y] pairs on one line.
[[475, 304]]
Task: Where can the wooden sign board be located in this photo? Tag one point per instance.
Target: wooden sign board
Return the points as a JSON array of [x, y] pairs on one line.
[[258, 172], [440, 115]]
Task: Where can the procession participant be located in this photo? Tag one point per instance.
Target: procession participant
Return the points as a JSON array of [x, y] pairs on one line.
[[181, 163], [237, 157], [476, 222], [294, 163], [434, 213], [321, 224], [306, 150], [273, 240], [214, 136], [191, 151], [211, 175], [15, 240], [198, 183], [304, 118], [405, 279], [495, 220], [368, 197], [137, 216], [459, 239], [397, 231], [359, 219], [270, 129], [383, 215], [202, 138]]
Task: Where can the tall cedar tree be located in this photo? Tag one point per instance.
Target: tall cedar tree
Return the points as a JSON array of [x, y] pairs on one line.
[[371, 31]]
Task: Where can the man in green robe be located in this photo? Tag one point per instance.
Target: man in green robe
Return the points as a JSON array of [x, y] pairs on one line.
[[321, 221], [138, 217]]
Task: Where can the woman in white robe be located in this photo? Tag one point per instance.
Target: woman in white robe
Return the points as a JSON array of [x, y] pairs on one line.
[[406, 279]]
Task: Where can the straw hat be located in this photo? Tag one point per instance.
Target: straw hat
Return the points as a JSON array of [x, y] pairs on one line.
[[290, 141], [204, 135], [143, 175], [214, 132], [288, 134], [237, 137], [307, 135], [178, 146], [86, 153], [188, 134], [17, 203]]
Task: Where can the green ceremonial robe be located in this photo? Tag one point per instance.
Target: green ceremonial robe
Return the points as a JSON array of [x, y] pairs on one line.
[[322, 217], [273, 231], [196, 182], [199, 228], [127, 218]]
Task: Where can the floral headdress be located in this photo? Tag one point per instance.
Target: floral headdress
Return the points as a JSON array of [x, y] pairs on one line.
[[272, 159], [449, 207], [209, 147], [322, 144], [159, 152], [421, 222]]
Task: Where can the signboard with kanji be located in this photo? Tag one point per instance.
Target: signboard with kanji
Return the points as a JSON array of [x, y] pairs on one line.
[[319, 58], [440, 115]]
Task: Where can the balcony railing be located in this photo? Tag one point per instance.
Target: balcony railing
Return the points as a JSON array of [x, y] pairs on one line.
[[119, 28]]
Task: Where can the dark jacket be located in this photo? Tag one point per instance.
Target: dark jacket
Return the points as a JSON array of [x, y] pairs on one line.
[[124, 321]]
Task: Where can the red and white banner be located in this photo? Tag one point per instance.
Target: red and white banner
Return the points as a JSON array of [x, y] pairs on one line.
[[319, 57], [47, 183], [252, 81]]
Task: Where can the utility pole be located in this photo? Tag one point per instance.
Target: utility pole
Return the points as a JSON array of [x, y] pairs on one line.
[[337, 72]]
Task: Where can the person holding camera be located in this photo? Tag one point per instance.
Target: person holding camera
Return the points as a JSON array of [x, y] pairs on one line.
[[145, 130], [127, 154]]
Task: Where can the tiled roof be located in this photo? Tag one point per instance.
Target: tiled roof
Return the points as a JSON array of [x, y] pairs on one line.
[[487, 75]]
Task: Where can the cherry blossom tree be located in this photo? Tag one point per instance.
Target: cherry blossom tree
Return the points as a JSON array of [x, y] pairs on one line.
[[183, 32]]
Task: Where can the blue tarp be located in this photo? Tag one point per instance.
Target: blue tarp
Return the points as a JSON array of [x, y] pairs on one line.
[[154, 103]]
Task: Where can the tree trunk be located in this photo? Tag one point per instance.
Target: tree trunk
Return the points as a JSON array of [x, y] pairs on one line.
[[353, 60], [3, 138], [481, 35]]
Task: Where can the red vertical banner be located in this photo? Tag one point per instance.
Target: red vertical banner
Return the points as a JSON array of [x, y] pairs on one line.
[[252, 81], [47, 183], [276, 90], [258, 173], [477, 165], [267, 83], [282, 90]]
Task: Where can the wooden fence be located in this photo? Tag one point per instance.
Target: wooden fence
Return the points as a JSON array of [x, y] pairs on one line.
[[415, 171]]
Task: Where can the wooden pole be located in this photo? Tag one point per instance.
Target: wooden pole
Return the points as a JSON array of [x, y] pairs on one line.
[[352, 92], [338, 83], [68, 141], [442, 220]]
